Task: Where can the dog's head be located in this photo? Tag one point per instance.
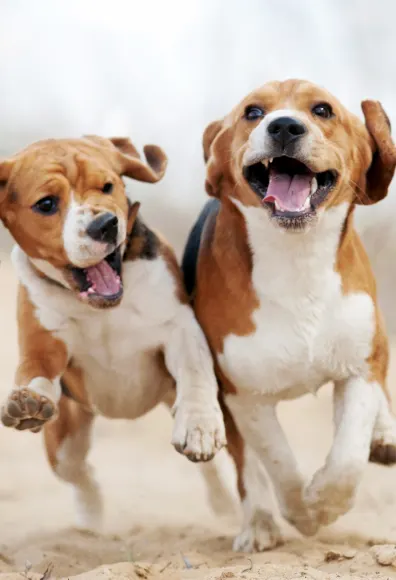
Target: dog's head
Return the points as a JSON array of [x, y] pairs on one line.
[[292, 148], [65, 204]]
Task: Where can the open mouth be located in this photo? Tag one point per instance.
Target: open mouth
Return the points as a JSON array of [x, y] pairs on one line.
[[288, 186], [100, 284]]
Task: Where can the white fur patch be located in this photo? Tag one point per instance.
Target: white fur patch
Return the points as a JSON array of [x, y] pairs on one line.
[[307, 331], [80, 248], [45, 388], [261, 142]]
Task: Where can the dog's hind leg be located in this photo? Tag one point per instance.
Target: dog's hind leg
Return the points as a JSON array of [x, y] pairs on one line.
[[67, 441]]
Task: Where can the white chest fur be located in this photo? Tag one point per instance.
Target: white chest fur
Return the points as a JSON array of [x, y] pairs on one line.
[[118, 349], [306, 330]]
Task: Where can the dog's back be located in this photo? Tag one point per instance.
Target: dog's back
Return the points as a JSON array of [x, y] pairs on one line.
[[191, 251]]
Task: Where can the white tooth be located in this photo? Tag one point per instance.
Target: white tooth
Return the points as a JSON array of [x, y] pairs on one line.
[[277, 207], [271, 160], [265, 162], [307, 203], [314, 185]]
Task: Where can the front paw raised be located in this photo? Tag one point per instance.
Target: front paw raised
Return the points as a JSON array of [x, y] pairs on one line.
[[26, 409], [199, 431]]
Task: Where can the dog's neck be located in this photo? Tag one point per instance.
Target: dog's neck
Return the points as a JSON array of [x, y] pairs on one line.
[[292, 262]]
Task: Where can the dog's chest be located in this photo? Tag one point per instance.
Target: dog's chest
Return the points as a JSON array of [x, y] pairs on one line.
[[123, 371], [306, 330], [120, 350]]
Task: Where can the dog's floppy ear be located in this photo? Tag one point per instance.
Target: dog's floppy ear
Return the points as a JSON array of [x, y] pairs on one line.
[[208, 137], [6, 166], [128, 159], [380, 173], [125, 145], [131, 164], [215, 147]]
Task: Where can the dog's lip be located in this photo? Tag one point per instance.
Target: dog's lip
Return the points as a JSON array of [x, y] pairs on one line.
[[252, 158], [85, 286], [259, 179]]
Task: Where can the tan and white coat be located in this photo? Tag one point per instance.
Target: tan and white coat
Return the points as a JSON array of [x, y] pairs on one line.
[[287, 311], [79, 358]]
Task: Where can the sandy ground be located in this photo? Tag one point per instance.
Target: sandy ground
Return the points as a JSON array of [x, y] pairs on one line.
[[158, 521]]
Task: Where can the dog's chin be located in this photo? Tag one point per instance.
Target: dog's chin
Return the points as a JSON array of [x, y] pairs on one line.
[[99, 285], [290, 191]]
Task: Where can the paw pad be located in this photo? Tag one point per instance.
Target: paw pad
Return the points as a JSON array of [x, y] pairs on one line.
[[26, 410]]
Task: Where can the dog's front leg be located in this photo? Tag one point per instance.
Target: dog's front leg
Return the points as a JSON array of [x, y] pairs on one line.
[[259, 426], [43, 360], [333, 488], [199, 426]]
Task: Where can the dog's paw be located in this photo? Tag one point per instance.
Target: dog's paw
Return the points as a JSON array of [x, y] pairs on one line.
[[330, 496], [383, 445], [383, 453], [298, 513], [198, 432], [261, 534], [27, 410]]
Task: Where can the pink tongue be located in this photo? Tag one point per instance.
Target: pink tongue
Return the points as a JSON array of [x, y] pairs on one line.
[[104, 279], [289, 192]]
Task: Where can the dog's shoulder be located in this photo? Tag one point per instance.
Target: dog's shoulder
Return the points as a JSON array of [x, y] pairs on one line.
[[145, 245]]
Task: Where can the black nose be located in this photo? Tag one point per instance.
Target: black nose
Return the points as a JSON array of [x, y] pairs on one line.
[[104, 228], [284, 130]]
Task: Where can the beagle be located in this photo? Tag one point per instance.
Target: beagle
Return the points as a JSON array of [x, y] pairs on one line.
[[284, 292], [104, 323]]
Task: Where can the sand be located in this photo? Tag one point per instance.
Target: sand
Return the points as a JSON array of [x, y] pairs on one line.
[[159, 524]]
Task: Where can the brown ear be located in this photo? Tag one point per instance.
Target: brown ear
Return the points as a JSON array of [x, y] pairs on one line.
[[382, 168], [6, 166], [128, 158], [215, 146], [132, 166], [125, 145], [208, 137]]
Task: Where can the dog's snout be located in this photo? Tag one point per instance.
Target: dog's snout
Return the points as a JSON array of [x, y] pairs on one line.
[[104, 228], [284, 130]]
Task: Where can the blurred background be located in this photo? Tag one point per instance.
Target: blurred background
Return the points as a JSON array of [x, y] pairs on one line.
[[161, 71]]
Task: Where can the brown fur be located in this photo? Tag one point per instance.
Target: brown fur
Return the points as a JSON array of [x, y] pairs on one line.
[[41, 353], [225, 264]]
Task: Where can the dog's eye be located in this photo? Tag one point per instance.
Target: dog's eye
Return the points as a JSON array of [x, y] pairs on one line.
[[323, 110], [107, 188], [47, 205], [252, 112]]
